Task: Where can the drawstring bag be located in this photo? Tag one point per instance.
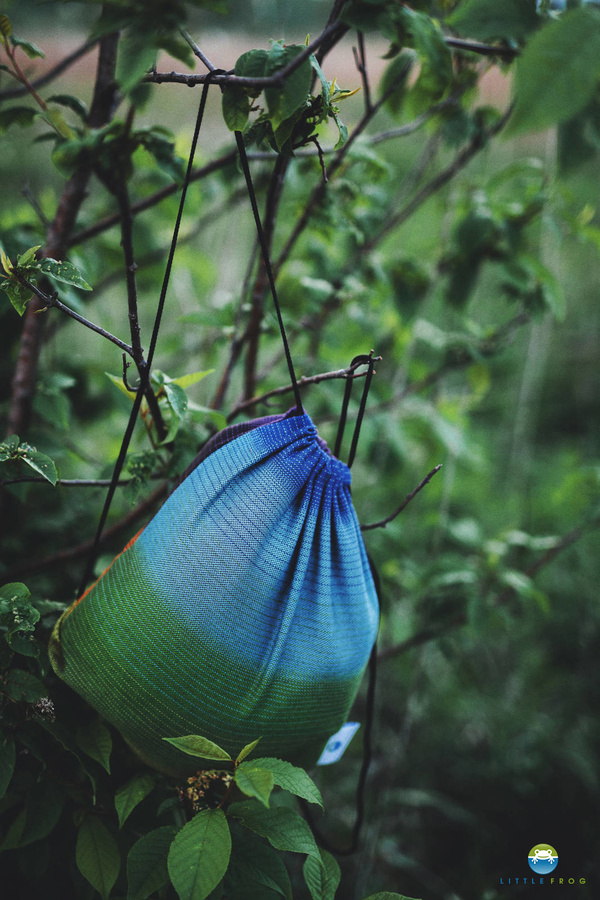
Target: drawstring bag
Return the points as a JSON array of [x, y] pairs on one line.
[[246, 607]]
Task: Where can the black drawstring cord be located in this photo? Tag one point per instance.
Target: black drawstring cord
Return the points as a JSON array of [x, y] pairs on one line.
[[363, 359], [361, 411], [265, 253], [145, 375]]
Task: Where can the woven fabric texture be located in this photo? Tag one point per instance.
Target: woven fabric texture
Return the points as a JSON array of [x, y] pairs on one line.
[[244, 609]]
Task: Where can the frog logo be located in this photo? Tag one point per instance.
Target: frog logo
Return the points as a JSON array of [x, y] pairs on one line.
[[543, 858]]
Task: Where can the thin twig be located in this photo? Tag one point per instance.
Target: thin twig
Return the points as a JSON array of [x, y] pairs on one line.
[[51, 300], [64, 482], [360, 58], [52, 73], [271, 81], [196, 50], [304, 381], [482, 49], [404, 503]]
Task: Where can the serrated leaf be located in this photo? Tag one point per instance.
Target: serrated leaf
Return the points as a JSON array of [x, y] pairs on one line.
[[63, 271], [17, 115], [147, 863], [489, 20], [196, 745], [96, 742], [22, 686], [557, 73], [132, 793], [97, 856], [235, 105], [41, 463], [322, 880], [118, 382], [256, 865], [291, 778], [7, 762], [254, 781], [199, 855], [245, 751], [32, 50], [284, 828]]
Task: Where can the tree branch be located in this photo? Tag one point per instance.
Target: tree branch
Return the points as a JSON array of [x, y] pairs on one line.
[[271, 81], [73, 195], [304, 381], [51, 74], [404, 503]]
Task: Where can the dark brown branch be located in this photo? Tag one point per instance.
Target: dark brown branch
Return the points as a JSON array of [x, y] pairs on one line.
[[196, 50], [51, 74], [271, 81], [51, 300], [360, 58], [72, 197], [404, 503], [71, 553], [64, 482], [306, 380]]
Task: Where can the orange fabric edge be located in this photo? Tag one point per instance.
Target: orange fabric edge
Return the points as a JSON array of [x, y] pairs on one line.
[[92, 586]]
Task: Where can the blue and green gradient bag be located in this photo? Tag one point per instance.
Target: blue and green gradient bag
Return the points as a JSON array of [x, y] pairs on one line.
[[246, 607]]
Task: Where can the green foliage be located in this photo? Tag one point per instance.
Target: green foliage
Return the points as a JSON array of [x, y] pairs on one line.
[[199, 855]]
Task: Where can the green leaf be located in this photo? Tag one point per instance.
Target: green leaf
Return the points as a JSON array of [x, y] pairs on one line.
[[44, 809], [5, 26], [137, 54], [291, 778], [256, 866], [199, 855], [6, 263], [322, 880], [195, 745], [186, 381], [488, 20], [42, 464], [435, 57], [254, 781], [97, 856], [284, 828], [63, 271], [162, 148], [96, 742], [252, 64], [17, 293], [177, 398], [118, 381], [236, 107], [24, 259], [7, 762], [147, 863], [132, 793], [73, 103], [22, 686], [17, 115], [245, 751], [32, 50], [557, 73], [283, 102]]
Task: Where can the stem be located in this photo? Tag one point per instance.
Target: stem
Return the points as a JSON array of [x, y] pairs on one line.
[[51, 74], [404, 503], [72, 197]]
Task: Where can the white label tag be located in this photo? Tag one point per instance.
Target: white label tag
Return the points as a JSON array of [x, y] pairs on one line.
[[337, 743]]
